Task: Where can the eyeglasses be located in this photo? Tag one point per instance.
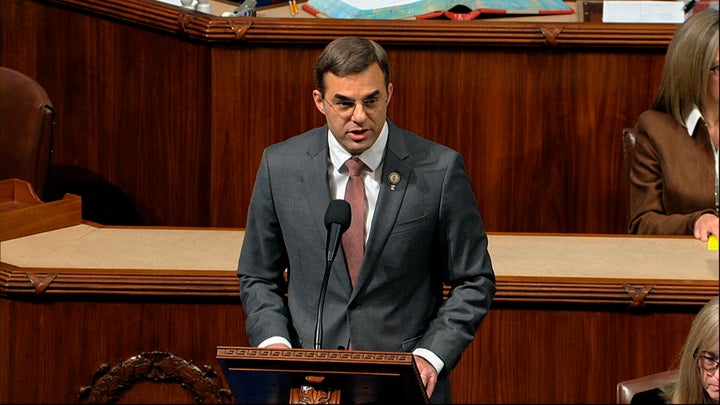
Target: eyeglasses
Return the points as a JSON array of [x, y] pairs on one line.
[[715, 69], [708, 361], [346, 108]]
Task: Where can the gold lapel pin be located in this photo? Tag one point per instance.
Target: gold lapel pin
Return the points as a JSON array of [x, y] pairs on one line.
[[394, 179]]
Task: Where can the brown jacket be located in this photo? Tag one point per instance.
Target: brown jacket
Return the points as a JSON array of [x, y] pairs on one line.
[[672, 178]]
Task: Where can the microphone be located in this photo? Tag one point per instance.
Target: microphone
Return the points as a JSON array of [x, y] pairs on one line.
[[337, 221]]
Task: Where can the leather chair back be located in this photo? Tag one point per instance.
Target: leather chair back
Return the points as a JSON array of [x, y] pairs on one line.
[[628, 150], [628, 145], [628, 388], [27, 120]]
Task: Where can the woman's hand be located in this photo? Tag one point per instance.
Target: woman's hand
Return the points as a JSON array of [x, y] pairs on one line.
[[705, 225]]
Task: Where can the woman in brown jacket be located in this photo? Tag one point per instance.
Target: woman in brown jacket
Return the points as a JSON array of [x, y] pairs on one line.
[[674, 175]]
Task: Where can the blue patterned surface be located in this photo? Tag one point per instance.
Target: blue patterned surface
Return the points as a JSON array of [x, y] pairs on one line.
[[340, 9]]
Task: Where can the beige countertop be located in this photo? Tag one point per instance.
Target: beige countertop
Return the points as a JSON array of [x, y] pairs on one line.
[[86, 246]]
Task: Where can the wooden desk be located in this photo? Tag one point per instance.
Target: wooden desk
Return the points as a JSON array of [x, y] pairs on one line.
[[628, 270], [168, 110], [578, 313]]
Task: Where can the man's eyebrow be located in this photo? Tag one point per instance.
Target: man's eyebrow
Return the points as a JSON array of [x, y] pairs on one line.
[[343, 97]]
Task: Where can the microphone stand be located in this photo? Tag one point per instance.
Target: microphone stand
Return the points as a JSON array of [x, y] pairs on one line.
[[337, 220], [321, 304]]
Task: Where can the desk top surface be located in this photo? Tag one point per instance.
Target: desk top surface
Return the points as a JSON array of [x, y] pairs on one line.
[[86, 246]]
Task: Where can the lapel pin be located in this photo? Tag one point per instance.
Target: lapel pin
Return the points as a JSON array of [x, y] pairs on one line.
[[394, 179]]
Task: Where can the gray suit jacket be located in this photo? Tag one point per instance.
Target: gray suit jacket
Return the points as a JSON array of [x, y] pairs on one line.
[[426, 232]]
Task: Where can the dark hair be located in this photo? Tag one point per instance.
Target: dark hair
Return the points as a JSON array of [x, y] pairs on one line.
[[348, 55]]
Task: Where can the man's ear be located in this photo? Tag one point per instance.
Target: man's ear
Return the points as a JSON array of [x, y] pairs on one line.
[[318, 99]]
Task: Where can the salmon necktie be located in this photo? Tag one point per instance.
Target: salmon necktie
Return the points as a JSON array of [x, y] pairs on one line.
[[354, 238]]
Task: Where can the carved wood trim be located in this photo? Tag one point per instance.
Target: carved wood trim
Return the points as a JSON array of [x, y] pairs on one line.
[[215, 29], [632, 294], [327, 356], [110, 383], [19, 283], [314, 394]]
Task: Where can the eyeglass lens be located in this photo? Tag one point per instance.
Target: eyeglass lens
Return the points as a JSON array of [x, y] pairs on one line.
[[709, 361], [346, 107]]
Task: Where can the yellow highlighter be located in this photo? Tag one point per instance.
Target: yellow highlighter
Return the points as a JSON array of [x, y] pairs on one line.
[[712, 242]]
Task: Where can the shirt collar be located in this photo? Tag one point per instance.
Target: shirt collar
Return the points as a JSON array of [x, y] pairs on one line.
[[692, 120], [371, 157]]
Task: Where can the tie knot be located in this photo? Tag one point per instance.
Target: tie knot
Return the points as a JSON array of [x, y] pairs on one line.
[[355, 166]]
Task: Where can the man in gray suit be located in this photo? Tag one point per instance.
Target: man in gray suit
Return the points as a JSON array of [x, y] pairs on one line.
[[422, 231]]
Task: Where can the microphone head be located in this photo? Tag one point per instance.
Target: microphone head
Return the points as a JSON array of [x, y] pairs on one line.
[[338, 212]]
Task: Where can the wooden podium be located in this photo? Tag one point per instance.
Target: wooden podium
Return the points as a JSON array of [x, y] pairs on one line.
[[307, 376]]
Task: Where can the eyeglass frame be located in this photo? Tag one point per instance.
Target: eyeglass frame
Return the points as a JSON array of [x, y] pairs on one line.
[[704, 358], [351, 110]]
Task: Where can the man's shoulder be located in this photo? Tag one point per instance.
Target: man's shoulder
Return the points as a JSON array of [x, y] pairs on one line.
[[415, 141], [301, 141]]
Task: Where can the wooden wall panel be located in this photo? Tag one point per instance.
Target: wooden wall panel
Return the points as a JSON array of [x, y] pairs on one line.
[[163, 114], [562, 354], [269, 89], [523, 353], [539, 128], [533, 125], [132, 113], [57, 346]]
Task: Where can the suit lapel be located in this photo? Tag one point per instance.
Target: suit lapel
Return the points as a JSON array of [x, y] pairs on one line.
[[315, 177], [394, 181]]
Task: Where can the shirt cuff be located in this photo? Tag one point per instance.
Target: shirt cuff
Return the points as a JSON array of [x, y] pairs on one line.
[[430, 357], [272, 340]]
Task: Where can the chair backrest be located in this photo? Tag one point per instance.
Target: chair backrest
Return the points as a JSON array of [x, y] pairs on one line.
[[27, 120], [628, 388], [628, 150], [628, 145]]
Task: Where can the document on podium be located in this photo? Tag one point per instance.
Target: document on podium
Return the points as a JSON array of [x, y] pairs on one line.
[[656, 12]]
